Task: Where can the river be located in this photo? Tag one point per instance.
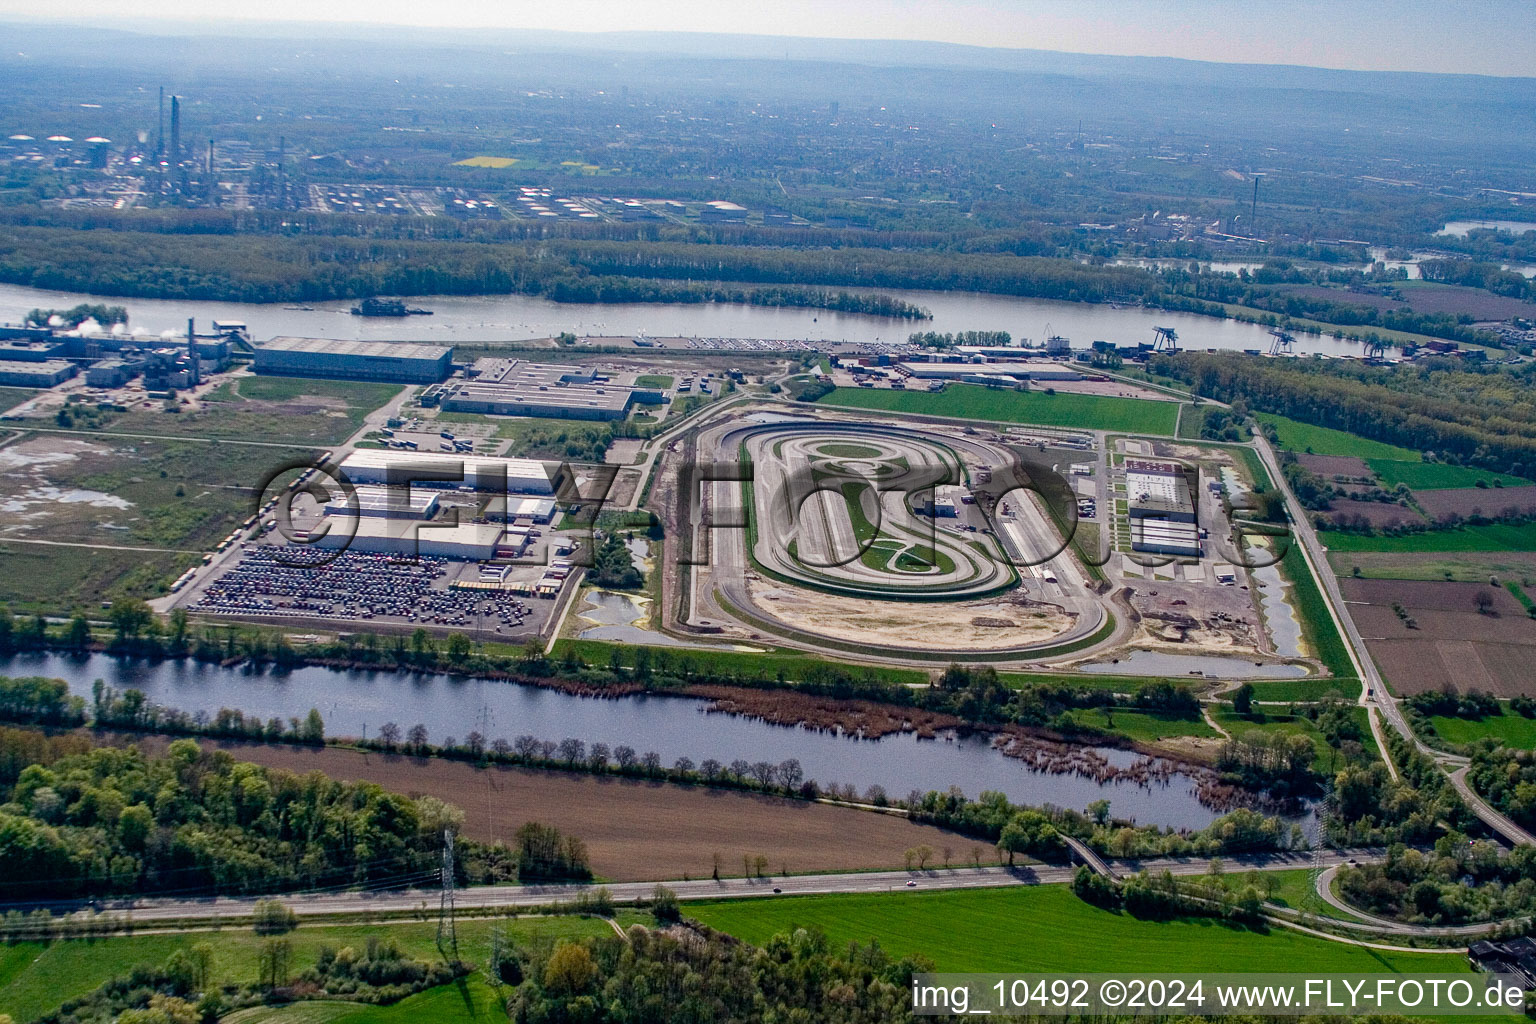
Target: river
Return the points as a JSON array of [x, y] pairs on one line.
[[354, 701], [460, 319]]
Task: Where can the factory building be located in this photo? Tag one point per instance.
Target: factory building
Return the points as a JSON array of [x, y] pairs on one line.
[[355, 360], [516, 508], [1018, 371], [401, 502], [36, 375], [516, 387], [110, 373], [476, 542], [33, 351], [1162, 513], [476, 472]]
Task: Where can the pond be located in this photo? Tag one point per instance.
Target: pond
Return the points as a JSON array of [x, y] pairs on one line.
[[355, 702]]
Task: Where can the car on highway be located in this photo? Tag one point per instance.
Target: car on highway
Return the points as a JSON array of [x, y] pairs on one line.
[[911, 883]]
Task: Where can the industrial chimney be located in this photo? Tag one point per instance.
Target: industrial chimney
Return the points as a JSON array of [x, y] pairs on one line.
[[197, 376]]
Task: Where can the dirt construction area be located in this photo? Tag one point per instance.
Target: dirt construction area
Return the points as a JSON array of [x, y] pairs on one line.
[[636, 830], [1433, 635]]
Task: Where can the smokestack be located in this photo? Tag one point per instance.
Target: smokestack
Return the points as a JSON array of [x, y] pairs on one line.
[[282, 182], [210, 160], [160, 139], [192, 354], [175, 131]]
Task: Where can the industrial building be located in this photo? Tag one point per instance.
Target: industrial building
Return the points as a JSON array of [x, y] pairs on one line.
[[476, 472], [402, 502], [1017, 371], [941, 502], [516, 387], [1162, 512], [468, 541], [36, 375], [33, 351], [515, 508], [110, 373], [355, 360]]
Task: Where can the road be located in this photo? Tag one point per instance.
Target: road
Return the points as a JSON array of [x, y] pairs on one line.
[[147, 910], [1324, 886]]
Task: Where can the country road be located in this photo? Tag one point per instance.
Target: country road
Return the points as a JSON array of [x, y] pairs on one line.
[[147, 910]]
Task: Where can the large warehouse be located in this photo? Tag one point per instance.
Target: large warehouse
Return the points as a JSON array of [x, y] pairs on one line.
[[355, 360], [36, 375], [516, 387], [479, 472], [475, 542], [1162, 513]]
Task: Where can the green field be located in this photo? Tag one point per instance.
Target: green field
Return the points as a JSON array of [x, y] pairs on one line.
[[1464, 567], [1317, 627], [1141, 725], [1304, 437], [1304, 689], [37, 977], [1488, 537], [1046, 928], [1434, 476], [654, 380], [12, 397], [467, 1001], [1510, 729], [1266, 720], [970, 401]]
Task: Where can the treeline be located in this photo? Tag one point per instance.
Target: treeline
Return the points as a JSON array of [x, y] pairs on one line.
[[1473, 274], [933, 339], [115, 820], [183, 990], [1484, 418], [1373, 809], [1506, 778], [1455, 882], [103, 314], [275, 268]]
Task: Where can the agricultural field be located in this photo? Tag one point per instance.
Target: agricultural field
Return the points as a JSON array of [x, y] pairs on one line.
[[1472, 501], [1330, 467], [1428, 635], [1304, 437], [1426, 476], [1304, 689], [37, 977], [629, 826], [1509, 729], [1380, 515], [1468, 566], [1047, 928], [495, 162], [968, 401], [1486, 537]]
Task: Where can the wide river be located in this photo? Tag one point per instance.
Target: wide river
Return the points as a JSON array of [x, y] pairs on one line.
[[504, 318], [352, 702]]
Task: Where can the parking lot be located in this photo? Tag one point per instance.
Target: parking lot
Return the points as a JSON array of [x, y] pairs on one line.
[[389, 593]]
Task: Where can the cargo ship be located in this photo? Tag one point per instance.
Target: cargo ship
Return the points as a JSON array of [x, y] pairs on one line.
[[387, 307]]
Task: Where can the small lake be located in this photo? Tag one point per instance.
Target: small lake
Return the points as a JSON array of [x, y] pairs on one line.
[[1461, 228], [353, 702]]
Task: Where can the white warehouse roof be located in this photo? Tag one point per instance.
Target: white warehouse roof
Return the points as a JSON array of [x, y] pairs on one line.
[[373, 465]]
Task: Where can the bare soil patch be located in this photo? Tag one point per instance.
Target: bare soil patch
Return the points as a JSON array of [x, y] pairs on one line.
[[1470, 501], [1330, 466], [1450, 643], [634, 830], [1378, 513]]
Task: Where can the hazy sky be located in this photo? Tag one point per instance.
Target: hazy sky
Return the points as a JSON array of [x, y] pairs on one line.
[[1496, 37]]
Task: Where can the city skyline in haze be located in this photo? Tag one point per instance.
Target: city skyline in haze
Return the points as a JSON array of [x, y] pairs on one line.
[[1495, 37]]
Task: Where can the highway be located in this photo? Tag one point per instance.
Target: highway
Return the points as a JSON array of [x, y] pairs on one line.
[[149, 910]]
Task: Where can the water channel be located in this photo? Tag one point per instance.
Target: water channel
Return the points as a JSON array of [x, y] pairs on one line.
[[462, 319], [352, 701]]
